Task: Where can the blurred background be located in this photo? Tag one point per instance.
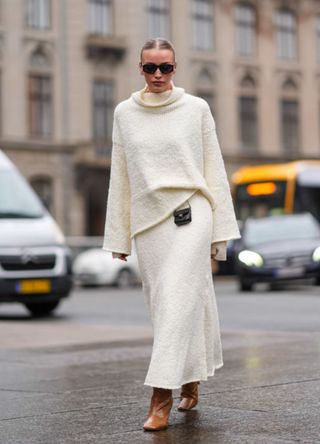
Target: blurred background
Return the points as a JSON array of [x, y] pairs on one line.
[[66, 64]]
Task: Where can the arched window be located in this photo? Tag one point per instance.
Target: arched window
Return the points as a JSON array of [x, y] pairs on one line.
[[286, 34], [40, 92], [245, 25], [248, 114], [40, 104], [248, 81], [102, 114], [205, 77], [39, 58], [290, 117], [206, 89]]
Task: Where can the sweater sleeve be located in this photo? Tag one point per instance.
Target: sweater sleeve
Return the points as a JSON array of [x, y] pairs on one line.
[[117, 223], [225, 225]]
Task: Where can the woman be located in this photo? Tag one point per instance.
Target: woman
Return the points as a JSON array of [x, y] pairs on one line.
[[166, 157]]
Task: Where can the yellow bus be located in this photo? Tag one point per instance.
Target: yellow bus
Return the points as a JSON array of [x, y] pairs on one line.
[[282, 188]]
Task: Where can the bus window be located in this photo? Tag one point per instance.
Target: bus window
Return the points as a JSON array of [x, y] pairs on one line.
[[259, 199], [307, 196], [308, 199]]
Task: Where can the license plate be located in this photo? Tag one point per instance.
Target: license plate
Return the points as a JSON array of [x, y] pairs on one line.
[[33, 286], [290, 271]]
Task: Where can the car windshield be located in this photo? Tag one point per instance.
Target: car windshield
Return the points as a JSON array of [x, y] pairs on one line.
[[281, 229], [17, 199]]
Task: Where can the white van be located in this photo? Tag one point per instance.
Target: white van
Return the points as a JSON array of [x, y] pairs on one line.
[[35, 263]]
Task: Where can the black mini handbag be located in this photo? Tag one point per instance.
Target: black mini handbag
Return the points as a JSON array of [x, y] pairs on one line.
[[182, 216]]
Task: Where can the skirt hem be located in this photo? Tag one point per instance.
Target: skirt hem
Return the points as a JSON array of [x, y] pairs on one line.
[[173, 387]]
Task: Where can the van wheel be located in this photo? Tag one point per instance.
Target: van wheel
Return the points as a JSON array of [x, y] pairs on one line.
[[245, 286], [42, 308], [125, 278]]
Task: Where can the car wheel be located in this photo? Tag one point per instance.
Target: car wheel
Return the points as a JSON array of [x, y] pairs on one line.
[[125, 278], [318, 280], [42, 308], [245, 286]]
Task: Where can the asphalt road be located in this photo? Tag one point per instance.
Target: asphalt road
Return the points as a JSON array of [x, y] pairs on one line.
[[108, 309], [77, 377], [295, 307]]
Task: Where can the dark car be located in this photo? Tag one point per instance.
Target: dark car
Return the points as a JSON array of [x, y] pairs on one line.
[[278, 248], [227, 267]]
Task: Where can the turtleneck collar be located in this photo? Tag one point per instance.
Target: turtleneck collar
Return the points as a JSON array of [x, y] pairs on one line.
[[158, 99]]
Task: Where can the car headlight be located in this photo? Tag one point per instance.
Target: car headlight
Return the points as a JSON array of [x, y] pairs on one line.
[[250, 258], [316, 255]]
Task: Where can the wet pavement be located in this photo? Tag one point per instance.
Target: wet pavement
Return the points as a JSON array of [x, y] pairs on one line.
[[268, 391]]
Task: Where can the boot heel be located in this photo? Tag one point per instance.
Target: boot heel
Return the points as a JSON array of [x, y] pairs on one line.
[[189, 396], [159, 410]]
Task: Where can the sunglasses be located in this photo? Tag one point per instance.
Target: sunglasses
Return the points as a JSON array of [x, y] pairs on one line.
[[151, 68]]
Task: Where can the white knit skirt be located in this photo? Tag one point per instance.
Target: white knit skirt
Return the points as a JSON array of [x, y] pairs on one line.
[[175, 268]]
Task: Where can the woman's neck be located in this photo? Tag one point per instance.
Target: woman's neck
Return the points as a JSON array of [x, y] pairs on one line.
[[147, 89], [157, 99]]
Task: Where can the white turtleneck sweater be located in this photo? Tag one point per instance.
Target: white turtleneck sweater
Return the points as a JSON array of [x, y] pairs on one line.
[[157, 164]]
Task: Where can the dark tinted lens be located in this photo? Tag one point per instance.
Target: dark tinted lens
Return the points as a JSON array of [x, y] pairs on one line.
[[150, 68], [165, 68]]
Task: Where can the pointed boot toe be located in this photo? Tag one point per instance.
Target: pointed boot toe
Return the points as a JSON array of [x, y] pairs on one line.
[[159, 410], [189, 396]]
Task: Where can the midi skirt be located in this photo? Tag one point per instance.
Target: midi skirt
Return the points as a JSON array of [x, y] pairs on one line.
[[176, 274]]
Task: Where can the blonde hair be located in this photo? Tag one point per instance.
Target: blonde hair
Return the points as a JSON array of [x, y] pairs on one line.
[[159, 43]]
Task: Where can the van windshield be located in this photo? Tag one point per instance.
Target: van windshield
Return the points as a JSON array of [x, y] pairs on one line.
[[17, 198]]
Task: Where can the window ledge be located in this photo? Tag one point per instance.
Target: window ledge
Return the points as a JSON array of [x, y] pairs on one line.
[[99, 45]]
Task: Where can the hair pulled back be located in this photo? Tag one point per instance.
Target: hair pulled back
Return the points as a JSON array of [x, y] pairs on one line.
[[159, 43]]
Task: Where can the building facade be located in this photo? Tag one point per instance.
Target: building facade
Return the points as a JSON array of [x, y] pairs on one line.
[[65, 64]]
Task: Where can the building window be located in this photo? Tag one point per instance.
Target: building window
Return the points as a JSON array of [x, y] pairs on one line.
[[100, 17], [318, 37], [158, 18], [248, 122], [43, 187], [40, 105], [38, 14], [103, 108], [245, 25], [286, 34], [290, 125], [202, 24]]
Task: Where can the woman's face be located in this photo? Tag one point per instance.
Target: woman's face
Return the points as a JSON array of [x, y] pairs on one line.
[[157, 82]]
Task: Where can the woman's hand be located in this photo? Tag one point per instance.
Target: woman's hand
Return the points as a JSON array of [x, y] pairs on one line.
[[121, 256], [214, 264], [219, 250]]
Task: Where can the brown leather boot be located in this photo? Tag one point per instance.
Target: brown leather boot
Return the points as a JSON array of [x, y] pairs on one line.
[[189, 396], [159, 410]]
